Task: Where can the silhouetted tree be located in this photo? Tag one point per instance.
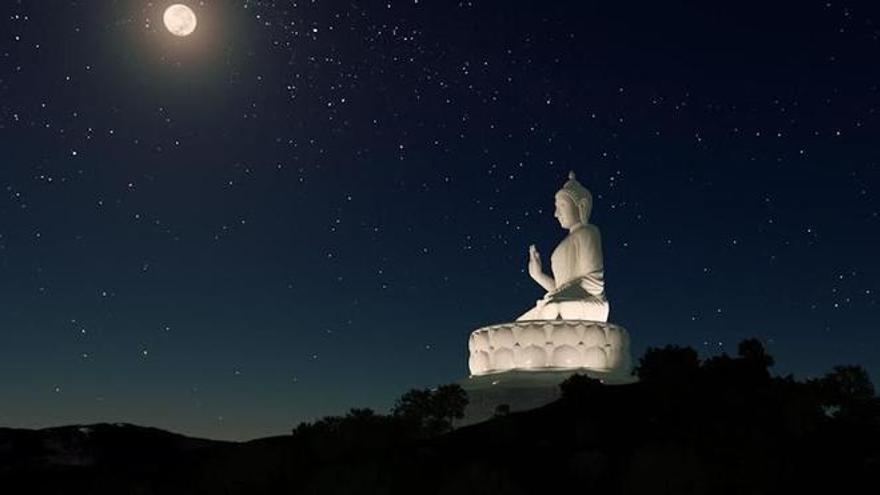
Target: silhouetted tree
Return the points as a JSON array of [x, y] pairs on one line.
[[361, 414], [502, 410], [414, 406], [450, 401], [753, 350], [848, 383], [578, 387], [846, 391], [359, 430], [670, 363], [432, 411]]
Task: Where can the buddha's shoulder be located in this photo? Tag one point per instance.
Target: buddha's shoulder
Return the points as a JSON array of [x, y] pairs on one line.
[[588, 232]]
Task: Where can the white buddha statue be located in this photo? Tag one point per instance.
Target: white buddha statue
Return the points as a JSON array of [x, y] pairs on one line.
[[520, 364], [568, 328], [576, 291]]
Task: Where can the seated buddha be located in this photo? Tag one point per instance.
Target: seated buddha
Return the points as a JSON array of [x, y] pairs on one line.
[[576, 291]]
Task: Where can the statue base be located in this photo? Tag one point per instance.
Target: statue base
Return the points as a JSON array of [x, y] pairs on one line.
[[500, 393], [547, 345]]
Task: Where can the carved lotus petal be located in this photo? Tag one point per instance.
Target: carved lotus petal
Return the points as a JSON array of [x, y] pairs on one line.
[[501, 337], [532, 335], [594, 336], [502, 359], [595, 358], [566, 356], [618, 338], [565, 335], [479, 341], [479, 362], [531, 357]]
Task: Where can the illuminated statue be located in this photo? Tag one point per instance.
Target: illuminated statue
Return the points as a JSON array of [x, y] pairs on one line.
[[520, 364], [576, 291], [568, 328]]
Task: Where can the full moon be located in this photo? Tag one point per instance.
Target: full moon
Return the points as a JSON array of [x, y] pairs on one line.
[[180, 20]]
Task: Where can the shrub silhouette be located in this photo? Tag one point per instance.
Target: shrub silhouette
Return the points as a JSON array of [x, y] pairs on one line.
[[578, 388], [847, 383], [502, 410], [670, 363], [752, 350], [432, 411], [846, 391], [358, 430]]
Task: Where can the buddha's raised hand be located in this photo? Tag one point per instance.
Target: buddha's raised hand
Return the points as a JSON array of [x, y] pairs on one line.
[[535, 269]]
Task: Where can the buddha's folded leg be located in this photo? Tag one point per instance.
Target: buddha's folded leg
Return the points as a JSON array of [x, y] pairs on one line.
[[537, 313], [549, 311], [592, 309]]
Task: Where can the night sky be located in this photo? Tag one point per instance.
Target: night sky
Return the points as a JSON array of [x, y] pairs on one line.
[[308, 206]]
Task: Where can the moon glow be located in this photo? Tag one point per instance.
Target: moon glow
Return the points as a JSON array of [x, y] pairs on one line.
[[180, 20]]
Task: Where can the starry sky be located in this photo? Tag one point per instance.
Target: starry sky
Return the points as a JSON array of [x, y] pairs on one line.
[[307, 206]]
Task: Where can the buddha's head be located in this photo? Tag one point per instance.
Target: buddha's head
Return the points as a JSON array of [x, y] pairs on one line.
[[573, 204]]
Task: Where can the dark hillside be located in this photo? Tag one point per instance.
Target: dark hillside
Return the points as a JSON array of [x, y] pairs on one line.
[[724, 425]]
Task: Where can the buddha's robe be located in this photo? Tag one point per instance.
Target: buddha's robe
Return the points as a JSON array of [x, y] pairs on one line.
[[578, 272]]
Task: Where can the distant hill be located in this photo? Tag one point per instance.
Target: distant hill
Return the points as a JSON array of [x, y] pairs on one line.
[[98, 458]]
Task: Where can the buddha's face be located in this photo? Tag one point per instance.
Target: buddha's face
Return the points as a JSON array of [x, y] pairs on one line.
[[566, 211]]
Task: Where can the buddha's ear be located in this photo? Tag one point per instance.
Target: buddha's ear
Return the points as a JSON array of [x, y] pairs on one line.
[[584, 208]]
